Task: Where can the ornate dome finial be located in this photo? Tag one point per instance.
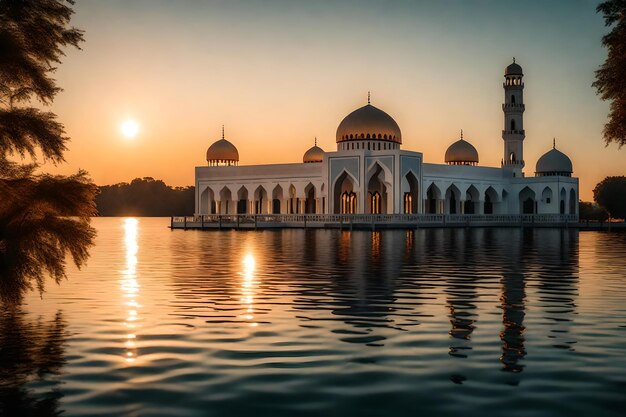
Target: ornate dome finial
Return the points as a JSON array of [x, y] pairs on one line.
[[315, 140], [222, 131], [461, 133], [553, 143], [514, 60], [368, 97]]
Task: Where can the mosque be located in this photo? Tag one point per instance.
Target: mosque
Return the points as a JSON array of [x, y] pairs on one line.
[[370, 173]]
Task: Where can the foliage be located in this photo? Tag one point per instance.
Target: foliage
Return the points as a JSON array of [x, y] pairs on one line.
[[610, 81], [145, 197], [610, 193], [592, 211], [43, 217]]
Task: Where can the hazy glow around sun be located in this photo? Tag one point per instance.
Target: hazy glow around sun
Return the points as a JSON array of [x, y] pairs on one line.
[[129, 128]]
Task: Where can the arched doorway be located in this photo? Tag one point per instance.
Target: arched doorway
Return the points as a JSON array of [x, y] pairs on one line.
[[309, 203], [527, 201], [344, 197], [433, 195], [242, 200], [207, 202], [376, 191], [277, 198], [260, 200], [411, 196], [225, 201], [491, 197], [453, 195], [562, 201], [471, 200]]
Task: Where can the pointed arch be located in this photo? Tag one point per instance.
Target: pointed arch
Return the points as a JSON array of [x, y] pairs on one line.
[[310, 199], [411, 194], [277, 199], [453, 196], [207, 201], [242, 200], [226, 198], [472, 197], [562, 198], [527, 201], [379, 189], [344, 195], [491, 198], [433, 196], [260, 200]]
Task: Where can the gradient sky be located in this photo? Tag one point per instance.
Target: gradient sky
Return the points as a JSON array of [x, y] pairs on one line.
[[279, 73]]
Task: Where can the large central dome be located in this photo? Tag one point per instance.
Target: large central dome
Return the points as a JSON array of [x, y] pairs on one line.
[[369, 122]]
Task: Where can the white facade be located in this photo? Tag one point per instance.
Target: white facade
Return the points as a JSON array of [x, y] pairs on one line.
[[370, 173]]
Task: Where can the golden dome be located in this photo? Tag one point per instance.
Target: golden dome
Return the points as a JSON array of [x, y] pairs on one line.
[[314, 154], [222, 151], [368, 122], [461, 152]]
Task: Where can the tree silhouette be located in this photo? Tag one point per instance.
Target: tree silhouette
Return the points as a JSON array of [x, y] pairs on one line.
[[610, 81], [43, 217], [145, 197], [610, 193]]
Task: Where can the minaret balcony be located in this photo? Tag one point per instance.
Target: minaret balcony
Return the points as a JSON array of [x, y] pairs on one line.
[[514, 132], [513, 107]]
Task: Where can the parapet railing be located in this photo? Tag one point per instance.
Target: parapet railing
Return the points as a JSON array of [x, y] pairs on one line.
[[212, 220]]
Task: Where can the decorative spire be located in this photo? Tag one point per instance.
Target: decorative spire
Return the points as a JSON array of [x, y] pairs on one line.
[[368, 97], [222, 131], [553, 143], [315, 140], [461, 133], [514, 60]]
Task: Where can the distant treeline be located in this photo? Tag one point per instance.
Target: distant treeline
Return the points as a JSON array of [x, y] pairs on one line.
[[145, 197]]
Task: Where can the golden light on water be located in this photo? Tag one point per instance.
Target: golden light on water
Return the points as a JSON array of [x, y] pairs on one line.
[[130, 288], [247, 289]]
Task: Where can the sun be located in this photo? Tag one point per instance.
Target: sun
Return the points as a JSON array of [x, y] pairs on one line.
[[129, 128]]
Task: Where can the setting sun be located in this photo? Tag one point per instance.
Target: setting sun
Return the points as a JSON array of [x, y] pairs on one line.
[[129, 128]]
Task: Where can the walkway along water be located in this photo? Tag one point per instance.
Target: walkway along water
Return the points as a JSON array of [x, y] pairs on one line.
[[370, 221]]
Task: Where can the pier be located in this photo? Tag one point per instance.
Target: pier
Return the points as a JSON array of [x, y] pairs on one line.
[[368, 221]]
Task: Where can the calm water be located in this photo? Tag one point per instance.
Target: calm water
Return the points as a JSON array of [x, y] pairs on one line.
[[325, 323]]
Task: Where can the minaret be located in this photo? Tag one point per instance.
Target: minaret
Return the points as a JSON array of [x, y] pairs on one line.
[[513, 108]]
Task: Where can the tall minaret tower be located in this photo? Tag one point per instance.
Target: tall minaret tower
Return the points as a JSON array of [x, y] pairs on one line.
[[513, 108]]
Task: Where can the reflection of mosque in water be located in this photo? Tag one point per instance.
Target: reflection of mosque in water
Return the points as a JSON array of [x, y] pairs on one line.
[[388, 280], [365, 287]]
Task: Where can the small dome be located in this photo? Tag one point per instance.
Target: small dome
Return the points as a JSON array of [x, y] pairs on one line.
[[222, 151], [314, 154], [369, 122], [554, 162], [461, 152], [513, 69]]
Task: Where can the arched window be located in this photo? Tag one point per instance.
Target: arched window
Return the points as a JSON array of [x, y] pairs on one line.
[[512, 98], [512, 124]]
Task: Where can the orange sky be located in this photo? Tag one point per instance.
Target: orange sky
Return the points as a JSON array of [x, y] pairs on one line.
[[277, 74]]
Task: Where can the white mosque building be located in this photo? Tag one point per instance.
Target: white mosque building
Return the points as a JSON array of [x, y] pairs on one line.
[[370, 173]]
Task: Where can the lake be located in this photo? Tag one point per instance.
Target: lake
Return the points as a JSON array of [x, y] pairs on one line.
[[486, 322]]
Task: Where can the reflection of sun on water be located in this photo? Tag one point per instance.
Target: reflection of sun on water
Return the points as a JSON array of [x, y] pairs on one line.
[[130, 288], [247, 289]]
